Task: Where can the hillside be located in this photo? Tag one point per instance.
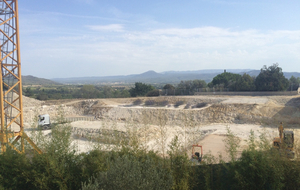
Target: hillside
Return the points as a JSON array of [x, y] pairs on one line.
[[31, 80], [172, 77]]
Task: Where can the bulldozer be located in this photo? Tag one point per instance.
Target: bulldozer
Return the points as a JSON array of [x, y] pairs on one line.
[[285, 142]]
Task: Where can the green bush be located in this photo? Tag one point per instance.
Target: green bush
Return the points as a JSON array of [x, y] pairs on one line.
[[140, 89], [137, 102], [163, 103], [258, 170], [187, 106], [130, 172], [150, 103], [178, 103], [15, 171], [200, 105], [153, 93]]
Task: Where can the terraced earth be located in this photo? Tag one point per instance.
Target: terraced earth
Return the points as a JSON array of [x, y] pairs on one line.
[[156, 121]]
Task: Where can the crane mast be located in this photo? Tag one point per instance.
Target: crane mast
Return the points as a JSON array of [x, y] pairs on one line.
[[11, 104]]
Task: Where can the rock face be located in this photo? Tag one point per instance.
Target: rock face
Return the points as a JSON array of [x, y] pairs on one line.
[[31, 113], [219, 110], [211, 114], [111, 121]]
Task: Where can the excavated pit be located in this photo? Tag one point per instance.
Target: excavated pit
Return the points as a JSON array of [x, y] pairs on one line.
[[156, 124]]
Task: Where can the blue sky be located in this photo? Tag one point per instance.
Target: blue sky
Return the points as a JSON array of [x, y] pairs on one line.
[[78, 38]]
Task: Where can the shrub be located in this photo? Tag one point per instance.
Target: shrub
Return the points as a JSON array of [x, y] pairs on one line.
[[153, 93], [187, 106], [180, 165], [150, 102], [130, 172], [163, 103], [169, 86], [256, 170], [140, 89], [200, 105], [137, 102], [178, 103]]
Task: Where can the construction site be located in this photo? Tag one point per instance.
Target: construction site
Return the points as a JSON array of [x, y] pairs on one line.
[[197, 119], [156, 126], [161, 142]]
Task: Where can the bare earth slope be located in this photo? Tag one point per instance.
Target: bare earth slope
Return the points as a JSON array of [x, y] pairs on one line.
[[206, 125]]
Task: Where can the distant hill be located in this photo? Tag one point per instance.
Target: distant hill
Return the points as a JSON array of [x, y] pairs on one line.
[[208, 71], [147, 77], [31, 80], [172, 77]]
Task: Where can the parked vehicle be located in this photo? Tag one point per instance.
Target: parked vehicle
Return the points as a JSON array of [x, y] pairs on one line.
[[44, 121]]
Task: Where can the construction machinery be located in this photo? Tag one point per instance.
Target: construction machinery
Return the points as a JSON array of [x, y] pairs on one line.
[[11, 104], [44, 121], [285, 142], [197, 156]]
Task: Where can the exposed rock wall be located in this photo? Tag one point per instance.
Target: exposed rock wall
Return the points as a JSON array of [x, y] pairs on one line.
[[217, 113]]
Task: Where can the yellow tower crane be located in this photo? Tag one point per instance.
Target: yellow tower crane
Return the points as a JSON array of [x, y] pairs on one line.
[[11, 105]]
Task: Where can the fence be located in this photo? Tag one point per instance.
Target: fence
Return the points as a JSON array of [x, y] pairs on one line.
[[224, 91], [80, 118], [181, 92]]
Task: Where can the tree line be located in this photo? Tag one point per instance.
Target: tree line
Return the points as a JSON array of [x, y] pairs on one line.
[[83, 91], [269, 79]]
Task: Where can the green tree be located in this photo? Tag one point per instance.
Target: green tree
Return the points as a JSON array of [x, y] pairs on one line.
[[29, 92], [89, 91], [180, 165], [256, 171], [192, 85], [108, 92], [169, 87], [130, 172], [227, 80], [42, 95], [153, 93], [125, 93], [140, 89], [294, 83], [245, 83], [271, 79]]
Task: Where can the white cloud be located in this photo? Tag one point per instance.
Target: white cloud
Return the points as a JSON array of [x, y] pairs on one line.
[[110, 27], [163, 49]]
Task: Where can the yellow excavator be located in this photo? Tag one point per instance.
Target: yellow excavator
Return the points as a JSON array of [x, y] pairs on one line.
[[285, 142]]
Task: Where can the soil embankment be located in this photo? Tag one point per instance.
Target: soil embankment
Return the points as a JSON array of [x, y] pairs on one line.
[[194, 119]]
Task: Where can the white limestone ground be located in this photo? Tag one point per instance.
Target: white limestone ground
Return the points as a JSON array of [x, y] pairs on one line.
[[209, 129]]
